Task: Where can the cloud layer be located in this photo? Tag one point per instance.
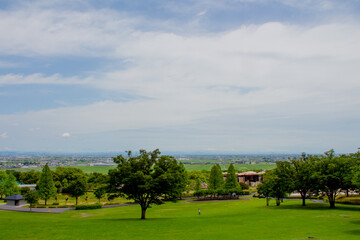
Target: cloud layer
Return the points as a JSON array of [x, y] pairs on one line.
[[271, 87]]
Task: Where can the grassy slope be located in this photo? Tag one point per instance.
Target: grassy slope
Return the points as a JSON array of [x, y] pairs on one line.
[[219, 220]]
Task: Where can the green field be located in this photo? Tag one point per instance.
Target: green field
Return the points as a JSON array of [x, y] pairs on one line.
[[218, 220], [238, 167]]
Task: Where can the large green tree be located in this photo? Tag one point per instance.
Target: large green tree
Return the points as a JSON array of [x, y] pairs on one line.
[[331, 174], [146, 178], [78, 186], [302, 175], [46, 186], [10, 186], [276, 183]]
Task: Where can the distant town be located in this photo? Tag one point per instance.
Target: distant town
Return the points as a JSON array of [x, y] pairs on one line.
[[9, 160]]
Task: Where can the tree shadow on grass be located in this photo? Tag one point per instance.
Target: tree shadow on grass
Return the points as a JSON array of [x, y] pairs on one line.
[[130, 219], [315, 206], [353, 232]]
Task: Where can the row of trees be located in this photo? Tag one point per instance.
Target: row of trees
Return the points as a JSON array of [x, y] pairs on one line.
[[62, 176], [46, 189], [220, 188], [326, 174], [67, 180]]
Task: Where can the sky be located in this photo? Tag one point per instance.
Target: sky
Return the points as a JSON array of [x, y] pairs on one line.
[[210, 76]]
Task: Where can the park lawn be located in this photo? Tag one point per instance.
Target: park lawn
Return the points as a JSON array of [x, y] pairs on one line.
[[91, 199], [218, 220]]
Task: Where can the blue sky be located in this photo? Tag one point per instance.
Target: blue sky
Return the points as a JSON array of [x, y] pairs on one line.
[[234, 76]]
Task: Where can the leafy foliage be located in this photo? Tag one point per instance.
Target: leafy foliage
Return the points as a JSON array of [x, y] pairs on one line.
[[216, 180], [46, 184], [77, 186], [147, 177], [231, 179], [32, 197]]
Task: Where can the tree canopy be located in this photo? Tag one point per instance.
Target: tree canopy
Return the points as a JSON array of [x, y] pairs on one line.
[[231, 179], [147, 178], [46, 184], [216, 180]]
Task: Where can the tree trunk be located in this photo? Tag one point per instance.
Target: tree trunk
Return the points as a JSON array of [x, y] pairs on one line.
[[143, 212], [45, 202], [277, 201], [347, 192], [332, 204], [331, 198], [303, 196], [267, 201]]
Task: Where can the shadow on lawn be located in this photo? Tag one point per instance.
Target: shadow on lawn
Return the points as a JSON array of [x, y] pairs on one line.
[[314, 206], [354, 232], [130, 219]]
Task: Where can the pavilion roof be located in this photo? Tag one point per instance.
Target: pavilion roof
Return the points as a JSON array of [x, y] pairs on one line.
[[14, 197]]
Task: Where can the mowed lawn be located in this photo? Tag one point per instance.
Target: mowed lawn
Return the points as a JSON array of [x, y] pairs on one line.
[[218, 220]]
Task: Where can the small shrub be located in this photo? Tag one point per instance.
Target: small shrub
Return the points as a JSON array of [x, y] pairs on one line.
[[245, 192], [55, 204], [86, 207]]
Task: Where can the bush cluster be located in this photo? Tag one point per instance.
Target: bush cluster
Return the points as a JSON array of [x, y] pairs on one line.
[[218, 194], [86, 207]]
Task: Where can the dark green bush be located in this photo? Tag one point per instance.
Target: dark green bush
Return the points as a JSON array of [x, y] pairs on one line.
[[245, 192], [86, 207]]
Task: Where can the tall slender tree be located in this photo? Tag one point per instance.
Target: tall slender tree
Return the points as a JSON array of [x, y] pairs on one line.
[[216, 180], [46, 184], [231, 180]]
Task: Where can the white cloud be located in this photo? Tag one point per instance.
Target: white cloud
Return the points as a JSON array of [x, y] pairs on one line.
[[201, 13], [34, 129], [66, 135], [257, 76], [4, 135], [38, 78]]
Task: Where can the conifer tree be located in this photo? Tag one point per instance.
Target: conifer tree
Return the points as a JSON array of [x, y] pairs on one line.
[[216, 180], [46, 184], [231, 181]]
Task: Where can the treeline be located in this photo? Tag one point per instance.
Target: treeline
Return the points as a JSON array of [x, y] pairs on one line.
[[68, 180], [313, 175], [217, 187]]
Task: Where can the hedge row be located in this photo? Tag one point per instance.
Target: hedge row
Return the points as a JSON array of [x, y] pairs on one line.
[[86, 207]]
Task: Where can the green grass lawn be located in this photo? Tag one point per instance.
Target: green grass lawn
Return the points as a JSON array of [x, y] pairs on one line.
[[218, 220], [91, 199]]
